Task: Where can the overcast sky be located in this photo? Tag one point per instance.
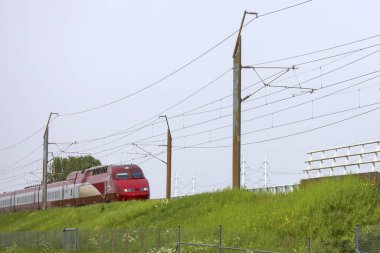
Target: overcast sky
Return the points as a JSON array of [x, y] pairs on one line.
[[72, 56]]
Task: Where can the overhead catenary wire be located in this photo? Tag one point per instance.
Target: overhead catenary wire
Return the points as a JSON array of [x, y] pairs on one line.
[[154, 118], [283, 136], [311, 79], [121, 147], [318, 51], [189, 112], [276, 126], [160, 80], [21, 159], [23, 166], [181, 67], [198, 145], [270, 139], [17, 175], [304, 93], [281, 125], [280, 100], [292, 57], [299, 132], [26, 138]]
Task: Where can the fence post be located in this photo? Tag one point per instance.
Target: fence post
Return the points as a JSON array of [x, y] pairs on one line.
[[76, 239], [142, 235], [357, 239], [220, 238], [308, 245], [63, 238], [126, 240], [179, 240], [38, 239], [158, 239], [112, 239]]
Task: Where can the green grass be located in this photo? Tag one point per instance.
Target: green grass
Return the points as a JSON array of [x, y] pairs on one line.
[[325, 211]]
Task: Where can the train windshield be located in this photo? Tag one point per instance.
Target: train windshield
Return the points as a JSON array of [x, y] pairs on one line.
[[129, 175], [123, 175], [137, 174]]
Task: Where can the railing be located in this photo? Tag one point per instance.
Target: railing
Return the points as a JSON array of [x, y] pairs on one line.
[[276, 189], [343, 160]]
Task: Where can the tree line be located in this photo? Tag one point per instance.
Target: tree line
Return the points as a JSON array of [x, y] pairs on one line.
[[63, 166]]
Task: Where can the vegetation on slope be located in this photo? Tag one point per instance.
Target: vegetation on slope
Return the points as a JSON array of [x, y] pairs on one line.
[[325, 211]]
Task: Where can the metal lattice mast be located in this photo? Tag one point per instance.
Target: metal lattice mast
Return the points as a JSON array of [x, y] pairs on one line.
[[176, 180], [265, 172], [243, 173], [193, 181]]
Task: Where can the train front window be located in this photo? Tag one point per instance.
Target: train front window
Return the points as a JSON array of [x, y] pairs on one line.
[[137, 174], [123, 175]]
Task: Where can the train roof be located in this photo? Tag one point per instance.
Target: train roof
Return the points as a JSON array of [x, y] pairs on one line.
[[112, 166], [129, 166]]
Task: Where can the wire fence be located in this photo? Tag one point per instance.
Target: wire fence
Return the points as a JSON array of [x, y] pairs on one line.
[[369, 239], [183, 240], [257, 240], [94, 240]]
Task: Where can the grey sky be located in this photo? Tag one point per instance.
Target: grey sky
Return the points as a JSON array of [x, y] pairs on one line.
[[68, 56]]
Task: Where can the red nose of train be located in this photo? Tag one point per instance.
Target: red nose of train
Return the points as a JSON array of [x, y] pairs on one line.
[[133, 189], [131, 183]]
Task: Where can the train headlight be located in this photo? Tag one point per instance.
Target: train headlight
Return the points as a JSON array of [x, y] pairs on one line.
[[129, 190], [144, 189]]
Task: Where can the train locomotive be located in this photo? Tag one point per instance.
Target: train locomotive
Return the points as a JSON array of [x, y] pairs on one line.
[[98, 184]]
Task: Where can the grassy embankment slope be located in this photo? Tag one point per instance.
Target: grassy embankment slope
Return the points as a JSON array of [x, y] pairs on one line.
[[325, 211]]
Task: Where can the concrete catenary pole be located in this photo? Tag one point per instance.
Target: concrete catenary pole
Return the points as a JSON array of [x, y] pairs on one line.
[[169, 166], [45, 163], [168, 161], [237, 107], [236, 115]]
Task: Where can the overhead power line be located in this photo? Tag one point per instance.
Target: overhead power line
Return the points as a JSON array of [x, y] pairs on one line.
[[181, 67], [209, 83], [26, 138], [280, 137], [155, 117], [207, 51], [318, 51], [151, 143], [21, 166], [21, 159], [121, 147], [276, 101], [275, 126], [190, 112]]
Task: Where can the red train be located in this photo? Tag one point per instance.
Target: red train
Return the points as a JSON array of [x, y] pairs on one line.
[[94, 185]]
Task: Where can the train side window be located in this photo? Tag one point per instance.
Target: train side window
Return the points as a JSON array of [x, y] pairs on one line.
[[98, 171]]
